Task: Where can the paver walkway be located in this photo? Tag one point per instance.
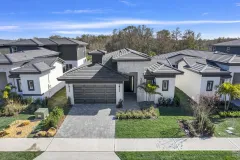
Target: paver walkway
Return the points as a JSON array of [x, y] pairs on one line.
[[89, 121], [111, 145]]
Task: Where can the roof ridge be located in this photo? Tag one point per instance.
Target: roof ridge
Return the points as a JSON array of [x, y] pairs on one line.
[[135, 52], [230, 60], [71, 40], [170, 67], [36, 67], [205, 67], [53, 41]]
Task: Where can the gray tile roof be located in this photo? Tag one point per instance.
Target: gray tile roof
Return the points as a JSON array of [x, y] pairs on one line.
[[160, 68], [213, 56], [37, 66], [93, 73], [3, 41], [126, 54], [229, 43], [41, 42], [26, 55], [97, 52]]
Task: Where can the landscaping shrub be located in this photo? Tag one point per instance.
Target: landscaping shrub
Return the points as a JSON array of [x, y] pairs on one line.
[[25, 123], [11, 109], [54, 118], [137, 114], [165, 102], [229, 114]]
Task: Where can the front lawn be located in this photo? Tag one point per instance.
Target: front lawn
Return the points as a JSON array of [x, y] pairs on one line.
[[180, 155], [222, 124], [5, 121], [165, 126], [18, 155]]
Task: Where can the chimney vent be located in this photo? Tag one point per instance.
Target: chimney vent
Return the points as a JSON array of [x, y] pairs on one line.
[[97, 55]]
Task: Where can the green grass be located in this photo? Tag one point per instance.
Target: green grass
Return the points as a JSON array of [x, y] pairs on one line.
[[18, 155], [59, 100], [221, 125], [166, 126], [5, 121], [186, 155]]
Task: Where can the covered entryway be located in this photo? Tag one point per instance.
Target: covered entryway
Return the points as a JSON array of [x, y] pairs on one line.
[[94, 93], [236, 78], [3, 80]]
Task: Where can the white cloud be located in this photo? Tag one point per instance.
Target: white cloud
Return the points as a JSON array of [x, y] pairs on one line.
[[6, 28], [119, 23], [127, 3], [79, 11], [205, 13], [81, 32], [238, 4]]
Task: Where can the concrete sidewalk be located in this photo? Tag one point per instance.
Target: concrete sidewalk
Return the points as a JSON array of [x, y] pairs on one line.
[[111, 145]]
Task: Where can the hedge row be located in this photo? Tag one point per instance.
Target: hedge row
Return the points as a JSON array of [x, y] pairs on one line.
[[229, 114]]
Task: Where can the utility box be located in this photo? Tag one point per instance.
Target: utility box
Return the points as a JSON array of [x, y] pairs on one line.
[[41, 113]]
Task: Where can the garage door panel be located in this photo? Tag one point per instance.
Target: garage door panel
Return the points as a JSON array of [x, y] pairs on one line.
[[95, 93]]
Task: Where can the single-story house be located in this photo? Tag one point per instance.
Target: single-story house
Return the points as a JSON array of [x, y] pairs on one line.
[[109, 76]]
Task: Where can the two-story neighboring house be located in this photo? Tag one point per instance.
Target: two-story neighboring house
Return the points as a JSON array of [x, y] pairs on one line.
[[33, 65], [231, 47]]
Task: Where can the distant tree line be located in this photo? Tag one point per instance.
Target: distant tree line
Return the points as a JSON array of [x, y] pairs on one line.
[[143, 39]]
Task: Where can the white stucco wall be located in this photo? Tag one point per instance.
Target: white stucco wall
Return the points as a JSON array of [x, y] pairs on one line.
[[216, 81], [35, 77], [77, 63], [189, 82], [69, 92], [139, 67], [171, 88], [119, 92], [43, 83]]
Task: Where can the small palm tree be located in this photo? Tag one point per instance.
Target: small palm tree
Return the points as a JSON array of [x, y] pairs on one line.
[[150, 89], [230, 90]]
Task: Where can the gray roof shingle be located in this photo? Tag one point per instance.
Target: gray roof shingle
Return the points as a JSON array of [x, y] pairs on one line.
[[93, 72], [160, 68], [37, 66], [229, 43]]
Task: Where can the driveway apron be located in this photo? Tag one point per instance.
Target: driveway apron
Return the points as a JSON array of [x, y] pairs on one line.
[[89, 121]]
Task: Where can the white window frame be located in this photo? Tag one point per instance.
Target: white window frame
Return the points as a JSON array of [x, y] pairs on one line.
[[165, 85]]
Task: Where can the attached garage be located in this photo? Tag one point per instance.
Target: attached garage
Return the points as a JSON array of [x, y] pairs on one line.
[[236, 78], [94, 93]]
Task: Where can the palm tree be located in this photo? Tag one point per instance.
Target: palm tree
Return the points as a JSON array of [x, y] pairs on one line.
[[230, 90], [150, 89]]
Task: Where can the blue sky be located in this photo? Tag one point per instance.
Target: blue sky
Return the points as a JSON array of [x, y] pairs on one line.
[[42, 18]]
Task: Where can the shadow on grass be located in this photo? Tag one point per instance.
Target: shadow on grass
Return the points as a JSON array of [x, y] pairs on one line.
[[173, 111]]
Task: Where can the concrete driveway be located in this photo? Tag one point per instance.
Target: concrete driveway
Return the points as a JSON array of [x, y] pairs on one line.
[[89, 121]]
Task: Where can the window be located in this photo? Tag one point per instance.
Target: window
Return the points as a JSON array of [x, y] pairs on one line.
[[30, 85], [14, 49], [165, 84], [209, 85], [19, 85], [68, 67], [228, 49]]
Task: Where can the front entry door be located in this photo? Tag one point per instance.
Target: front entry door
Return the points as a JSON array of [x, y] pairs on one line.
[[129, 85]]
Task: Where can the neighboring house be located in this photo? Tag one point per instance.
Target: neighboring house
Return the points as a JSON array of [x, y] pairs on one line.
[[232, 47], [107, 78], [33, 65], [73, 52], [203, 70]]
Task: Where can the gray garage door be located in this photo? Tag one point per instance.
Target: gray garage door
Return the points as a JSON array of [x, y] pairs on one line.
[[94, 93], [236, 78]]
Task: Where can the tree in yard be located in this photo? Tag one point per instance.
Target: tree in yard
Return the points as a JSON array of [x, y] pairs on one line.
[[229, 90], [150, 89]]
